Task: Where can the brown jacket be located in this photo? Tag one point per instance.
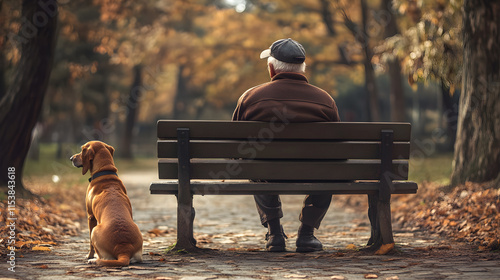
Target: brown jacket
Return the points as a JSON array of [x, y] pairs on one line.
[[287, 98]]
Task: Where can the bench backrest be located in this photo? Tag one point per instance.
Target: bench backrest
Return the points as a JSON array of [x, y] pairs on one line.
[[284, 151]]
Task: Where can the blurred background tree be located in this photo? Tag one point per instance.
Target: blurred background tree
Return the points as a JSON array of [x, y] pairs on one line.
[[430, 49], [120, 65]]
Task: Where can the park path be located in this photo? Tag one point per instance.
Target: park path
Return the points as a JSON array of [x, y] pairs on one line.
[[228, 229]]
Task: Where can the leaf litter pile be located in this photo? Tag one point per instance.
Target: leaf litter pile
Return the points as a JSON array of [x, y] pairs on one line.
[[41, 222], [469, 213]]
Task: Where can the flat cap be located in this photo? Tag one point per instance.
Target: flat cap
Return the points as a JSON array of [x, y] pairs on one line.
[[286, 50]]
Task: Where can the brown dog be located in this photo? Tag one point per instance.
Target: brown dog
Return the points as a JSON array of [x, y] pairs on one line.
[[113, 234]]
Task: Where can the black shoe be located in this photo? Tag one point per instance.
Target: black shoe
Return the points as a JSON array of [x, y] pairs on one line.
[[276, 242], [306, 241]]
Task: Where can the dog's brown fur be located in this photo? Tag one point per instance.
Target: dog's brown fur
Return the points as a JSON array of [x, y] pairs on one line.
[[113, 234]]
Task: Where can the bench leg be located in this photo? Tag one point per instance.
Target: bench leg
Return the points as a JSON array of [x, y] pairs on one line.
[[185, 210], [185, 218], [382, 239], [384, 221], [379, 213], [374, 240]]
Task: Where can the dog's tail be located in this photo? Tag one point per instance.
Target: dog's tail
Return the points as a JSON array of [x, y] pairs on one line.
[[123, 260]]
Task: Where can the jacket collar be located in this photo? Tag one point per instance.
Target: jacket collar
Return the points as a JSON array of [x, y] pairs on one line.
[[291, 76]]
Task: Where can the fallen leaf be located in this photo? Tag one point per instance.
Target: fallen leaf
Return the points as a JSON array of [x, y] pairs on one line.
[[138, 267], [371, 276], [295, 276], [384, 249], [40, 248], [351, 247]]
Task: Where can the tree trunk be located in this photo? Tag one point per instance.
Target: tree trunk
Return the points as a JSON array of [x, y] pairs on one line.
[[3, 67], [360, 34], [3, 64], [370, 82], [21, 106], [133, 102], [180, 94], [477, 148], [450, 110], [327, 16], [398, 108]]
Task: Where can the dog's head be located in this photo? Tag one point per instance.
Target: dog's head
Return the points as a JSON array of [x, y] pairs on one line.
[[89, 151]]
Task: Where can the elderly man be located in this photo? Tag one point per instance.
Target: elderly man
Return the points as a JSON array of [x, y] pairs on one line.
[[289, 95]]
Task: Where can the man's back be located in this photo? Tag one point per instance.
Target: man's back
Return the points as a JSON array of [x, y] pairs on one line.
[[288, 95]]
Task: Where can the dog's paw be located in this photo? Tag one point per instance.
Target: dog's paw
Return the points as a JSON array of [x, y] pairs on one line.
[[92, 261]]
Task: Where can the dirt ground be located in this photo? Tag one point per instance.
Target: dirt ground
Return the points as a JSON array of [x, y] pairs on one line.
[[232, 240]]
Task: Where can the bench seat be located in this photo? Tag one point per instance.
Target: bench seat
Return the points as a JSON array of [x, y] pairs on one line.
[[240, 187]]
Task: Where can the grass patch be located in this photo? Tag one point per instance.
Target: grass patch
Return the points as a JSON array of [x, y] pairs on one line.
[[48, 163], [436, 168]]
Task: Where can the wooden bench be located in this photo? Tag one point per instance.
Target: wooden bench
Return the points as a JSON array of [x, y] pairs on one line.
[[247, 158]]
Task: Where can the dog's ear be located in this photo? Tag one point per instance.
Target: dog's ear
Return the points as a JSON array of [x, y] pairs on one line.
[[110, 149], [87, 156]]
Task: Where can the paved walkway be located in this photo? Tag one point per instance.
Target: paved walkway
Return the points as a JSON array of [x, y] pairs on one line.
[[228, 230]]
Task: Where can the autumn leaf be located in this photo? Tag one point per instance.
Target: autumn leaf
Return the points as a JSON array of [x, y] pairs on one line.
[[40, 248], [351, 247], [299, 276]]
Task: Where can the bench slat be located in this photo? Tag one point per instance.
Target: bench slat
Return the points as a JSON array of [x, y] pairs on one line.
[[282, 149], [283, 170], [167, 129], [249, 188]]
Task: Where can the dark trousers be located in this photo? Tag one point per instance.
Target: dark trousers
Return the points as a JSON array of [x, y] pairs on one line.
[[313, 211]]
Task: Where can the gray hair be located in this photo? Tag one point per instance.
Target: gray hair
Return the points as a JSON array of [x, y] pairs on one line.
[[280, 66]]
